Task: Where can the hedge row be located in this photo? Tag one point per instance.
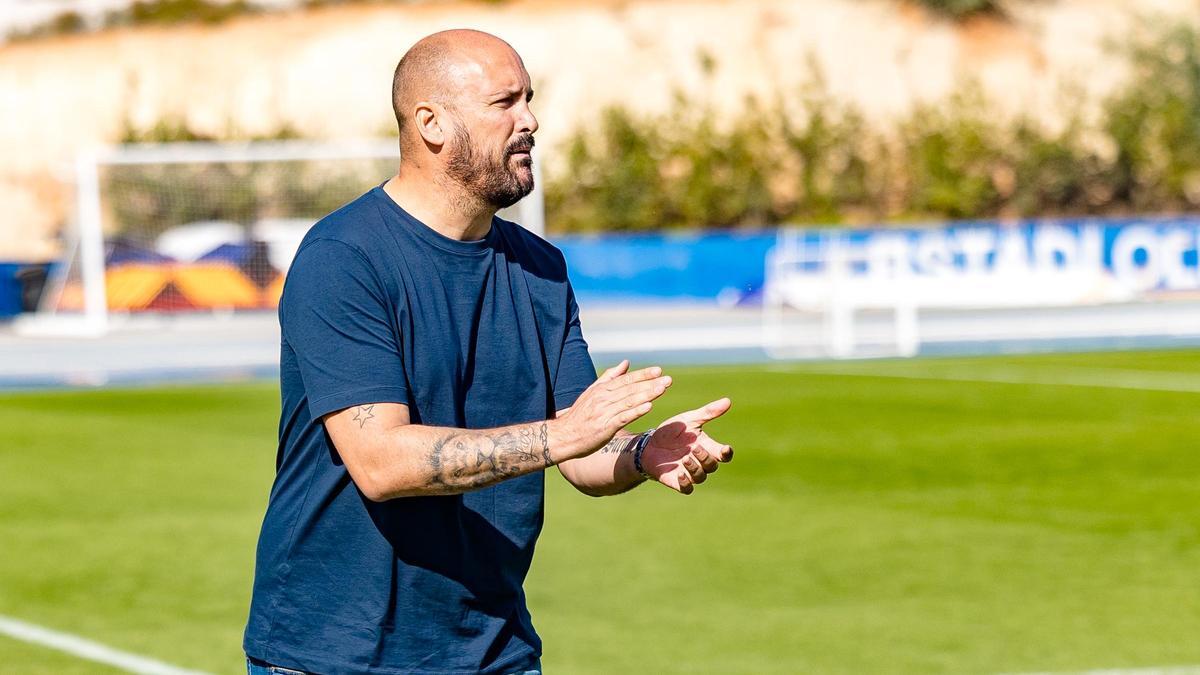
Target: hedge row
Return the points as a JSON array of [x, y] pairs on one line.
[[810, 158]]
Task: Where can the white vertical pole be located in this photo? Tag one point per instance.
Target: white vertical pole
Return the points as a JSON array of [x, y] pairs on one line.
[[533, 207], [841, 307], [772, 338], [908, 340], [91, 242]]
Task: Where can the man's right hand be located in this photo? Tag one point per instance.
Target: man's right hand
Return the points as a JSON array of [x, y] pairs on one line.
[[615, 400]]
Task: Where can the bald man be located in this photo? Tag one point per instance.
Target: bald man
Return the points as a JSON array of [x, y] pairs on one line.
[[432, 368]]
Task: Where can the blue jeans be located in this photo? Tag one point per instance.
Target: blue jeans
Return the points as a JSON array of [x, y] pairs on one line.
[[256, 667]]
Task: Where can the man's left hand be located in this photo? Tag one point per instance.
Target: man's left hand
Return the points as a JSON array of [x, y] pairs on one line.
[[680, 455]]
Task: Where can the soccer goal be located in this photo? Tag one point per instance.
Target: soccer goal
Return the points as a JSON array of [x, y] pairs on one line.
[[826, 294], [202, 228]]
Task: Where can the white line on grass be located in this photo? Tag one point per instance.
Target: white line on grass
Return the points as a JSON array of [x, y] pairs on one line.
[[86, 649], [1161, 670], [1145, 380]]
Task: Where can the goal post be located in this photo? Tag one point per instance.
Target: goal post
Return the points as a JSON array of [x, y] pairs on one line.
[[818, 283], [164, 229]]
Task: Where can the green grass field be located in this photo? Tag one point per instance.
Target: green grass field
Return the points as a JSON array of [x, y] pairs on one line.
[[937, 515]]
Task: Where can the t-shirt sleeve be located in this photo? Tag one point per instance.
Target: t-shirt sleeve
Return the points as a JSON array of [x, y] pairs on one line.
[[336, 317], [576, 372]]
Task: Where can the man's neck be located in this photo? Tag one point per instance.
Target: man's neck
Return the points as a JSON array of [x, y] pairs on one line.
[[445, 208]]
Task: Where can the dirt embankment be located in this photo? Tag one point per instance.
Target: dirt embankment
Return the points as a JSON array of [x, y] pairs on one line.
[[327, 72]]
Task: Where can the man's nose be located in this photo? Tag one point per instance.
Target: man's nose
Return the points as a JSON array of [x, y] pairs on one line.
[[527, 122]]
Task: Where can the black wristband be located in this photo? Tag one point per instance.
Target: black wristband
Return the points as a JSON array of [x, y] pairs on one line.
[[642, 439]]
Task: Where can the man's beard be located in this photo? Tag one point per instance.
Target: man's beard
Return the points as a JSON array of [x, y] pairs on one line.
[[491, 181]]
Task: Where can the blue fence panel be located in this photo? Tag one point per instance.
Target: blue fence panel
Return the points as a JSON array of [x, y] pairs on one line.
[[1151, 254], [10, 289], [716, 266]]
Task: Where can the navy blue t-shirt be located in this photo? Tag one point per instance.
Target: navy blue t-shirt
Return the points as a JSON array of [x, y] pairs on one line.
[[378, 307]]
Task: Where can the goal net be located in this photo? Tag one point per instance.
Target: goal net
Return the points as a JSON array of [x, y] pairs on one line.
[[202, 227]]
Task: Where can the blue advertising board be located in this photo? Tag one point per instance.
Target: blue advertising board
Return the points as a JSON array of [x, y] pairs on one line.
[[714, 266], [10, 289], [1146, 255]]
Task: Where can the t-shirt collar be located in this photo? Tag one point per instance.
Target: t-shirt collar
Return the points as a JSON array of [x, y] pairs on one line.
[[435, 238]]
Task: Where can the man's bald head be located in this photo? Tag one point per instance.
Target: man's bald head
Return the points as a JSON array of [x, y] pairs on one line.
[[433, 69], [462, 105]]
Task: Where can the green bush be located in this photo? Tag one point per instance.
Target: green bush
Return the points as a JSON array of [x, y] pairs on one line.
[[169, 12], [67, 23], [726, 178], [809, 158], [622, 191], [830, 148], [638, 174], [143, 13], [1054, 173], [175, 12], [960, 9], [954, 154], [63, 23], [695, 166], [1154, 121], [804, 158]]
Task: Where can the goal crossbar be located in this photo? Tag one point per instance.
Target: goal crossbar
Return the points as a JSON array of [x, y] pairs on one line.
[[251, 151]]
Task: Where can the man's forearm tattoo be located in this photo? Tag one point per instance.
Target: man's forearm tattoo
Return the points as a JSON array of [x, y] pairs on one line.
[[619, 445], [464, 460], [544, 438]]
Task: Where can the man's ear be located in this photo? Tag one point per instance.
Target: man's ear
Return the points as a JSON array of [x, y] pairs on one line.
[[427, 116]]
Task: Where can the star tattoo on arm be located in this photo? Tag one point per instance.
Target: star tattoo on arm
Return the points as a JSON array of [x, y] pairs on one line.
[[363, 414]]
